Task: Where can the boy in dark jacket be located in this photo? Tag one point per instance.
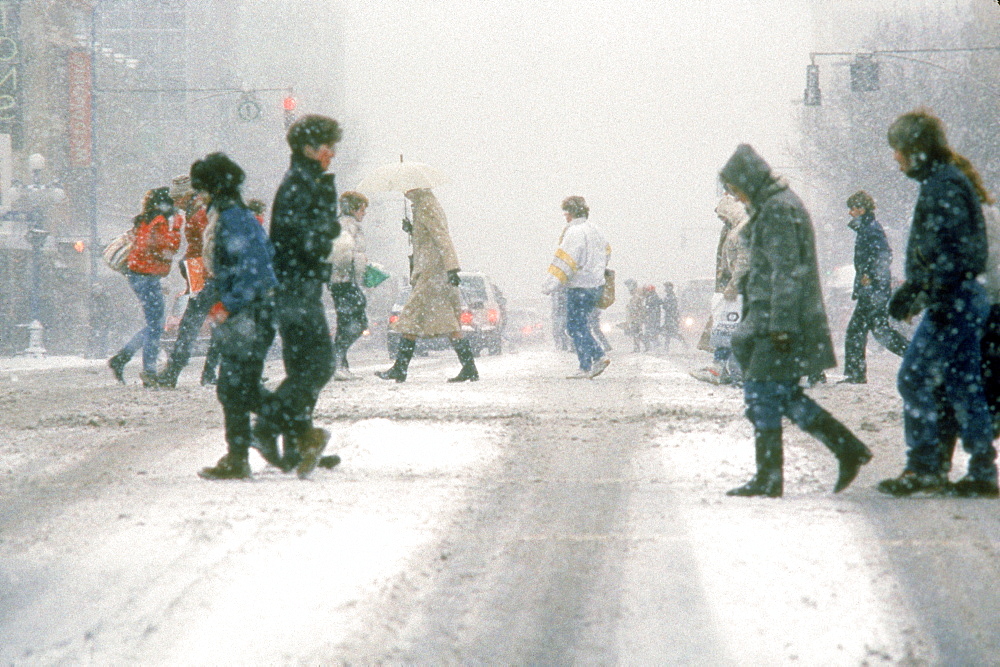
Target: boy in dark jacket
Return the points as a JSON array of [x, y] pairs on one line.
[[872, 286], [303, 227]]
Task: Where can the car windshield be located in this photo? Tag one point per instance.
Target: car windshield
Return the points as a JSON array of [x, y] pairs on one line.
[[473, 289]]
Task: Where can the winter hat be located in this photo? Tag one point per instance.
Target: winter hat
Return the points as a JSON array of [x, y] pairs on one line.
[[731, 210], [746, 170], [180, 186]]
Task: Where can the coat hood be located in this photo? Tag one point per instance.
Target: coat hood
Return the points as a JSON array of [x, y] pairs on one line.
[[746, 170]]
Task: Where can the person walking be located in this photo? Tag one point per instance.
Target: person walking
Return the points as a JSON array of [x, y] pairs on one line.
[[349, 262], [200, 286], [303, 226], [731, 262], [784, 335], [245, 282], [671, 316], [156, 241], [651, 330], [578, 266], [435, 304], [941, 370], [634, 314], [872, 286]]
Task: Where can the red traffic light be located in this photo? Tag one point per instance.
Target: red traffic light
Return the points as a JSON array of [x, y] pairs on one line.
[[289, 103]]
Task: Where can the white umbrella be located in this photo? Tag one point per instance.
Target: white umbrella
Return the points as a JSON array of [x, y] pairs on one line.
[[402, 177]]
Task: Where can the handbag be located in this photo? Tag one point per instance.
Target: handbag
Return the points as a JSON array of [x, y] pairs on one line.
[[608, 293], [116, 253]]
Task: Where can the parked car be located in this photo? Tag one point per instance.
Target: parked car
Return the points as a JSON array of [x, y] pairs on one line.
[[483, 317]]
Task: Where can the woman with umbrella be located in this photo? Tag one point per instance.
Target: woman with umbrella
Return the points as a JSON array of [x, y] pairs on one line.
[[435, 305]]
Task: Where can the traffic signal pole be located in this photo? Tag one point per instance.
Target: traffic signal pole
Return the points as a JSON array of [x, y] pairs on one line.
[[864, 69]]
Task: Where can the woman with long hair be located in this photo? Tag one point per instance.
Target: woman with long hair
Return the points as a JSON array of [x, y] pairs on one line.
[[941, 370]]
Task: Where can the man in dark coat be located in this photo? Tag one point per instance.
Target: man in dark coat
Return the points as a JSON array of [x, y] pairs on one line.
[[784, 335], [872, 286], [303, 226], [941, 370]]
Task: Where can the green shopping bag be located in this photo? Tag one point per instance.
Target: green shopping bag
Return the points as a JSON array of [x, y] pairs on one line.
[[375, 275]]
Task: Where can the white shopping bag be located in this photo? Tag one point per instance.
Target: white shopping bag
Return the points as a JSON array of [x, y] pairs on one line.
[[726, 316]]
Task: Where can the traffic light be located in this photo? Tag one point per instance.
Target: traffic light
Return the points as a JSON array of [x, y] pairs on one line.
[[289, 104], [812, 97], [864, 74]]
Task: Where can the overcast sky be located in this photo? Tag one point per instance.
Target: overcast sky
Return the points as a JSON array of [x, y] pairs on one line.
[[634, 105]]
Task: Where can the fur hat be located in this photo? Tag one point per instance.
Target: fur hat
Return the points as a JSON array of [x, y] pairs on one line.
[[180, 186]]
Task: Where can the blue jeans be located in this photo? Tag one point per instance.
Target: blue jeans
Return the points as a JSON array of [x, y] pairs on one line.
[[941, 370], [147, 288], [768, 402], [579, 303]]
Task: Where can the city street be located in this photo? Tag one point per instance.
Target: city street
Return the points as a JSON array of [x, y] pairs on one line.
[[523, 519]]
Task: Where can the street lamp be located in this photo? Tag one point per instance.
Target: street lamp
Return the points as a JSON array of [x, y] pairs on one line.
[[30, 204]]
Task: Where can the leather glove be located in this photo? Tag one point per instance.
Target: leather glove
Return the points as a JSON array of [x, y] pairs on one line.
[[407, 226], [904, 303], [782, 341], [453, 277]]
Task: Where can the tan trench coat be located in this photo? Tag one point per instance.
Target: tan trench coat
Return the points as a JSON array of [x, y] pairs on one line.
[[434, 306]]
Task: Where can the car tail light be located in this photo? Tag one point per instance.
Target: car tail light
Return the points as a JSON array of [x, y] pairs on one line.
[[466, 318], [492, 315], [526, 330], [393, 319]]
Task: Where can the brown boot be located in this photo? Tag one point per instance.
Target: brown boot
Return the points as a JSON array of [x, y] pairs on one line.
[[230, 466], [311, 446]]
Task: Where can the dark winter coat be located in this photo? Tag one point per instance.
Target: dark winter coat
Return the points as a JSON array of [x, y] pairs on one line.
[[872, 260], [304, 223], [242, 258], [781, 289], [947, 244]]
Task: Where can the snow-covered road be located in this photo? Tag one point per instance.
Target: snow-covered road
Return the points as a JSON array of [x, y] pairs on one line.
[[522, 519]]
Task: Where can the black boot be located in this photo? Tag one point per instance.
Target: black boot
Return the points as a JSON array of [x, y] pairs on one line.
[[168, 376], [769, 480], [469, 372], [850, 452], [117, 365], [403, 356]]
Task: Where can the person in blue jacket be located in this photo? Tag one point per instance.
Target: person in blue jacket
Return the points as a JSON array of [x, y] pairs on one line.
[[242, 261], [872, 287], [945, 254]]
